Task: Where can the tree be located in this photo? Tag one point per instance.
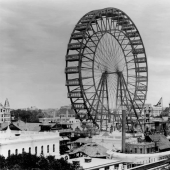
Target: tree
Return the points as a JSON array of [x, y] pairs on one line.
[[26, 161], [61, 164], [27, 115], [2, 161], [13, 160], [43, 163]]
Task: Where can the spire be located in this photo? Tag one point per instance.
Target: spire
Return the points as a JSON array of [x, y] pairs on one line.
[[6, 105]]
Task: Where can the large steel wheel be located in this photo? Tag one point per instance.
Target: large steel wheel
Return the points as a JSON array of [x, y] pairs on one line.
[[106, 68]]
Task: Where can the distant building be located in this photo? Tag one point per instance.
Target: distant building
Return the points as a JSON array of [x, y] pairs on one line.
[[5, 115], [65, 113], [30, 108], [157, 110], [16, 142]]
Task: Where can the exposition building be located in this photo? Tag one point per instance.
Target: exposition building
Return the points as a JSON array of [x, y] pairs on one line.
[[16, 142]]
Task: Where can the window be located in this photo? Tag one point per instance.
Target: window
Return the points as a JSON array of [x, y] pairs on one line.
[[140, 150], [29, 150], [53, 147], [135, 150], [41, 149], [47, 148], [36, 150], [9, 152], [22, 150], [16, 151]]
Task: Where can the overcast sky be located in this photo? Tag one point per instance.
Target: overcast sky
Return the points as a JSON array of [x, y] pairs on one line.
[[33, 42]]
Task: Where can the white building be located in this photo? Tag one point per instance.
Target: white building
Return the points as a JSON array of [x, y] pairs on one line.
[[157, 110], [5, 115], [98, 163], [14, 142], [63, 114]]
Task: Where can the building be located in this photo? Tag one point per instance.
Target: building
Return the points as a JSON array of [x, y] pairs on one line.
[[5, 115], [140, 148], [16, 142], [156, 111], [65, 113], [98, 163], [32, 108]]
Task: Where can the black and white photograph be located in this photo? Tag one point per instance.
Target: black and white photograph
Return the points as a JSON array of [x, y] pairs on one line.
[[84, 85]]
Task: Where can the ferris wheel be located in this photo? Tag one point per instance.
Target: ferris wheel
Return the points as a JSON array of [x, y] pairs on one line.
[[106, 68]]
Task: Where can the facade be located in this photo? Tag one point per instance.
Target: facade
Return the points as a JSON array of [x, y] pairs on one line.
[[16, 142], [152, 116], [5, 115], [140, 148]]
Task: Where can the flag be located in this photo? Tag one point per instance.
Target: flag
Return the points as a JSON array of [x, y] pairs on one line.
[[159, 104]]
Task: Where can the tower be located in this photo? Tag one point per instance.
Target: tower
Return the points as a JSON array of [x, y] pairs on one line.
[[6, 111], [6, 105]]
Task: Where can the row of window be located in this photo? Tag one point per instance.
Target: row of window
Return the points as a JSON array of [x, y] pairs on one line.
[[35, 149], [148, 150]]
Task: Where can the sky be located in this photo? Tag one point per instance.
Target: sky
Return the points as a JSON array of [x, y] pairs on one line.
[[33, 41]]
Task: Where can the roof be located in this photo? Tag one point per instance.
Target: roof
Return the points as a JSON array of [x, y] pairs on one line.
[[46, 123], [65, 123], [105, 134], [163, 141], [91, 149], [77, 129], [10, 136], [155, 137], [23, 126], [12, 127], [83, 140], [96, 163]]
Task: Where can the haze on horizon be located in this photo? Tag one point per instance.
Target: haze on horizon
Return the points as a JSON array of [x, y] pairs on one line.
[[33, 40]]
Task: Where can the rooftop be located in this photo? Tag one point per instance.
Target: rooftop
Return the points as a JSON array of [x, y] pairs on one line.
[[9, 136], [95, 163]]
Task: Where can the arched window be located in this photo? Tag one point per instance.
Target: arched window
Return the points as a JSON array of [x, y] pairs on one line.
[[36, 150], [41, 149], [22, 150], [9, 153], [16, 151], [29, 149], [53, 147], [47, 148]]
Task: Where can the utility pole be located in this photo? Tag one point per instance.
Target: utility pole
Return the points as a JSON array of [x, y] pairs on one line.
[[123, 130]]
